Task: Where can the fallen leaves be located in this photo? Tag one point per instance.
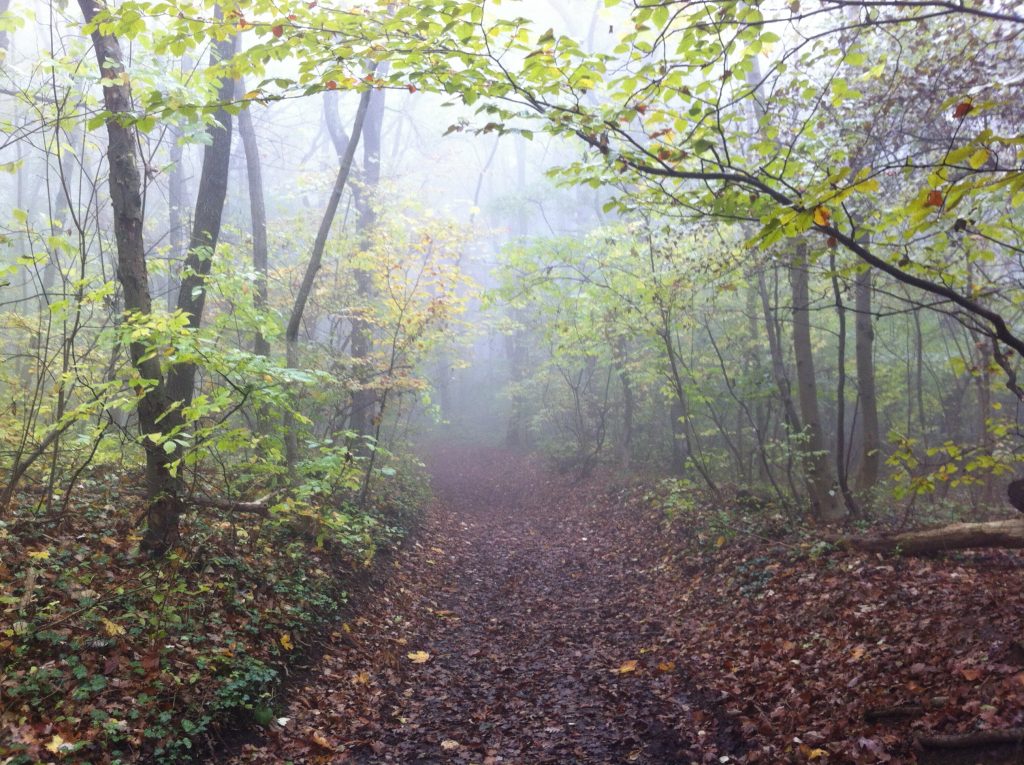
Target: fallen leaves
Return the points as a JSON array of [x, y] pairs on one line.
[[745, 652], [112, 628]]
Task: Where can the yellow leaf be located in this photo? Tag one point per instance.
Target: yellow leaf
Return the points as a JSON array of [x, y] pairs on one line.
[[286, 641], [821, 216], [815, 754], [666, 666], [361, 678], [113, 628], [979, 158], [626, 667], [720, 541], [858, 652], [57, 744], [418, 657], [39, 554]]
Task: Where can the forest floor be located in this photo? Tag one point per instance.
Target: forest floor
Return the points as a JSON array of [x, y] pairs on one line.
[[539, 619]]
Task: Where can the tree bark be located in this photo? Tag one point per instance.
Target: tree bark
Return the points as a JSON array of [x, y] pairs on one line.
[[789, 414], [840, 440], [816, 459], [258, 215], [364, 398], [870, 451], [163, 491], [956, 536], [620, 354], [315, 258], [213, 188]]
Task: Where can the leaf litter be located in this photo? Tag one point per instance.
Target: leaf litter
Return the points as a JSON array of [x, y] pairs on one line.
[[560, 621]]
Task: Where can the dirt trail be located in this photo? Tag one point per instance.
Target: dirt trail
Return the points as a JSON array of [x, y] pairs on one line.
[[534, 598]]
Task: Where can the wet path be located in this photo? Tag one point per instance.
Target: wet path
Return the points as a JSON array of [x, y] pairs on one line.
[[523, 626]]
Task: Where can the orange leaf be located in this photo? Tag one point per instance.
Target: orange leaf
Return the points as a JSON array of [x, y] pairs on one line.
[[971, 673], [822, 216], [934, 198], [626, 667], [962, 109], [320, 740]]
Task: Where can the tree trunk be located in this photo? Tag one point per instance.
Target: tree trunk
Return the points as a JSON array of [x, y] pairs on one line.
[[315, 258], [213, 189], [175, 219], [816, 460], [956, 536], [870, 456], [364, 398], [163, 493], [620, 354], [789, 414], [258, 214], [840, 441]]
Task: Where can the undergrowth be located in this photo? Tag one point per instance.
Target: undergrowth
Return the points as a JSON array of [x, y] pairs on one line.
[[108, 658]]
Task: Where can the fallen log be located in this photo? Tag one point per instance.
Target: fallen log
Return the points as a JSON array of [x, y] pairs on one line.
[[259, 506], [956, 536], [973, 740], [898, 712]]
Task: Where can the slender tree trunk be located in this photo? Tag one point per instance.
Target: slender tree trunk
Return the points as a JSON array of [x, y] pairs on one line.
[[870, 456], [176, 221], [364, 398], [779, 373], [315, 259], [60, 207], [619, 356], [816, 461], [679, 452], [841, 471], [983, 380], [155, 416], [213, 189], [755, 374], [258, 214]]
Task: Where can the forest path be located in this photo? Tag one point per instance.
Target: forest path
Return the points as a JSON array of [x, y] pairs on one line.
[[533, 602]]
